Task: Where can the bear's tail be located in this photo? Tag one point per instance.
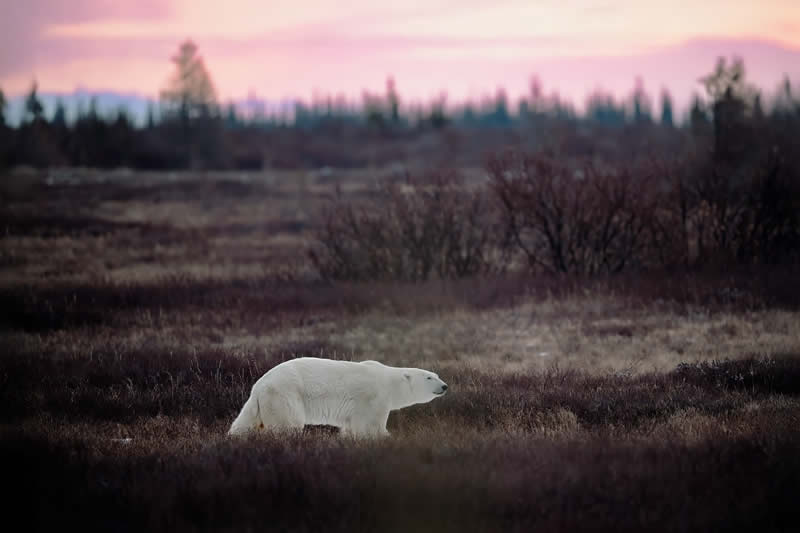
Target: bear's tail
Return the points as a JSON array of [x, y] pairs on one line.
[[249, 418]]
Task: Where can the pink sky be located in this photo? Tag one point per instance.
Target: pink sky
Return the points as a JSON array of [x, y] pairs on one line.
[[469, 48]]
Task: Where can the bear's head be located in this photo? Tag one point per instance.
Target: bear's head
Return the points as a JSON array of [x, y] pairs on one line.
[[423, 386]]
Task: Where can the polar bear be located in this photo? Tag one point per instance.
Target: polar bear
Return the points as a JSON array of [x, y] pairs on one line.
[[355, 397]]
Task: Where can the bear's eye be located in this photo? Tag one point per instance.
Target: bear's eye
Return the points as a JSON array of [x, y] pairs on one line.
[[430, 377]]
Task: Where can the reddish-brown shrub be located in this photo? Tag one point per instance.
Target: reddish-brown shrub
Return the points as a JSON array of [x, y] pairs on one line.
[[412, 231], [572, 219]]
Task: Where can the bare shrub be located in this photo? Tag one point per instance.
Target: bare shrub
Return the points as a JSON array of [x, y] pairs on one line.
[[671, 221], [434, 227], [711, 213], [571, 219], [750, 215], [668, 213]]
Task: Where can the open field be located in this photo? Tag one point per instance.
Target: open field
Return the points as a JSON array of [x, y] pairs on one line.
[[137, 310]]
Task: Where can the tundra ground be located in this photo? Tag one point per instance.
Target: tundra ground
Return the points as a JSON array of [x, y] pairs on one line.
[[137, 313]]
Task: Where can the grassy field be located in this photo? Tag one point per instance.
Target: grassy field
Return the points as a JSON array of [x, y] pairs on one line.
[[138, 310]]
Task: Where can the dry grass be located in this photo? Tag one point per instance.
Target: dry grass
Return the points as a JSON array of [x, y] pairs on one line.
[[134, 443], [567, 334], [131, 332]]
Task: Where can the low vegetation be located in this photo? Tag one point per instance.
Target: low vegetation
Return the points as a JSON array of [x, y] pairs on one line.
[[703, 447], [131, 330]]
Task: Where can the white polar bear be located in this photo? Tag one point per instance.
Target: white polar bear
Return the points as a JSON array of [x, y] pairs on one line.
[[355, 397]]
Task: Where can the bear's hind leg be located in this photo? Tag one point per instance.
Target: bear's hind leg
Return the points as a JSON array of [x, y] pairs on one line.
[[281, 413]]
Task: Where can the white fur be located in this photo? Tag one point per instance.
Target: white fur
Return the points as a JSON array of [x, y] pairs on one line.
[[356, 397]]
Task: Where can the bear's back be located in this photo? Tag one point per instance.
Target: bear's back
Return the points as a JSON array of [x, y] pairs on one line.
[[319, 369]]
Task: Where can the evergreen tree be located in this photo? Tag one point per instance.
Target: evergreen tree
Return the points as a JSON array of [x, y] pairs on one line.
[[2, 109], [641, 103], [758, 109], [468, 114], [231, 117], [190, 106], [792, 105], [601, 107], [59, 119], [123, 119], [60, 131], [523, 109], [33, 106], [698, 119], [190, 93], [538, 104], [92, 115], [728, 81], [393, 101], [784, 100], [667, 118], [151, 119], [733, 102], [438, 116], [500, 114]]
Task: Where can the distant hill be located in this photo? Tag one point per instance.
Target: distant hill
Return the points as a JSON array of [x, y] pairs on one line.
[[136, 105], [107, 103]]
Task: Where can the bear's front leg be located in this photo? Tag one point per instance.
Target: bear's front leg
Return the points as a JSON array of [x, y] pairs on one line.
[[369, 426]]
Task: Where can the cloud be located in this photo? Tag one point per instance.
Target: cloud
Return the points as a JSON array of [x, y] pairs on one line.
[[292, 46], [23, 24]]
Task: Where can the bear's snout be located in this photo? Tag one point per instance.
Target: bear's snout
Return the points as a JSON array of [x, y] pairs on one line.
[[442, 390]]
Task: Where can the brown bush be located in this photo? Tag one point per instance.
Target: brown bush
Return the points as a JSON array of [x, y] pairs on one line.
[[572, 219], [684, 212], [749, 214], [411, 231]]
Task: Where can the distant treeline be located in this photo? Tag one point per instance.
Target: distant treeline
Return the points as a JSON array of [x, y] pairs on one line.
[[192, 131]]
